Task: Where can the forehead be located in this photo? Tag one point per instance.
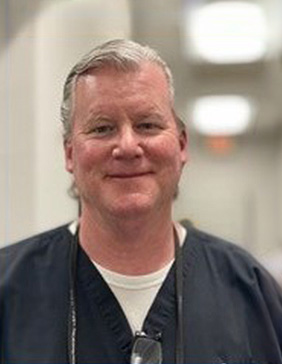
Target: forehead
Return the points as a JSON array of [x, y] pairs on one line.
[[146, 84], [141, 75]]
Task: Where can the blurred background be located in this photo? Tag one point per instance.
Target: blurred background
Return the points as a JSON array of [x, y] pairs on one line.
[[226, 57]]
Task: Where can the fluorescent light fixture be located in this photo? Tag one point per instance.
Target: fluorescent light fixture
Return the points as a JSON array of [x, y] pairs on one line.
[[222, 115], [228, 32]]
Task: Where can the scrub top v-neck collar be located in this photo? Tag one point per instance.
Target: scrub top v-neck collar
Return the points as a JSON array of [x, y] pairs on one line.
[[162, 311]]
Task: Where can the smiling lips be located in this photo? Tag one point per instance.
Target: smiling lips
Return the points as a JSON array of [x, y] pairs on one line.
[[129, 175]]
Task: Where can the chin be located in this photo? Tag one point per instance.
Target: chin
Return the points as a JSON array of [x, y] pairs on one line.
[[133, 206]]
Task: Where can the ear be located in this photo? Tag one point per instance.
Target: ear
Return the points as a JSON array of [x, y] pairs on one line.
[[182, 137], [183, 142], [68, 148]]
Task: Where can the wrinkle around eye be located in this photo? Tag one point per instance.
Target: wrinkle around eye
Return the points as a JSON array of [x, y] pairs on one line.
[[150, 127], [100, 131]]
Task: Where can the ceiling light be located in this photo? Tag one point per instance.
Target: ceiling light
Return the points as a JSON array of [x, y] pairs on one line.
[[228, 32], [222, 115]]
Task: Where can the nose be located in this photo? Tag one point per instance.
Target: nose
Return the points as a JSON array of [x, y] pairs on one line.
[[128, 145]]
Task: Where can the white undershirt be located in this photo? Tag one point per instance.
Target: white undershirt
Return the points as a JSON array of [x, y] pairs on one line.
[[136, 294]]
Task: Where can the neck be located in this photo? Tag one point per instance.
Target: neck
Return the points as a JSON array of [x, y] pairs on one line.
[[130, 247]]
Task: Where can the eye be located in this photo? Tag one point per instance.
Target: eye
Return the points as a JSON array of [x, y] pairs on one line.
[[102, 130], [149, 127]]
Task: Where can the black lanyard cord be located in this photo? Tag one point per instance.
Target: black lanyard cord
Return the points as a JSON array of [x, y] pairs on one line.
[[72, 321], [179, 301]]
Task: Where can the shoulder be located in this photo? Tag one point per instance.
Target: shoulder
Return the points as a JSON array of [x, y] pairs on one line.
[[225, 277], [213, 247], [36, 242], [227, 261], [29, 255]]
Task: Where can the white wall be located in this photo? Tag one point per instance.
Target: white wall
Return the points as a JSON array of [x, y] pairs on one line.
[[17, 119], [279, 167], [234, 196], [272, 259]]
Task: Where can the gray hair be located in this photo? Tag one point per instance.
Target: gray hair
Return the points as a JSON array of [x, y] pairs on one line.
[[124, 55]]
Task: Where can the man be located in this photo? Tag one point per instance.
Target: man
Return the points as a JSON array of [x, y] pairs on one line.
[[80, 293]]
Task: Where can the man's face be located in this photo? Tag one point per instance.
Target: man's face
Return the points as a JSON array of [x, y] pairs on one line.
[[125, 151]]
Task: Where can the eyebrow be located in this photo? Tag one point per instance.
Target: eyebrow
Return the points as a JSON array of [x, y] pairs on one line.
[[150, 112], [95, 117]]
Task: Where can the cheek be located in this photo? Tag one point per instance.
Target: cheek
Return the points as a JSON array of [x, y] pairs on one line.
[[167, 154], [87, 158]]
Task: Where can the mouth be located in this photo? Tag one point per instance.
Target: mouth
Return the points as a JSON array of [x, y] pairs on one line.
[[129, 175]]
